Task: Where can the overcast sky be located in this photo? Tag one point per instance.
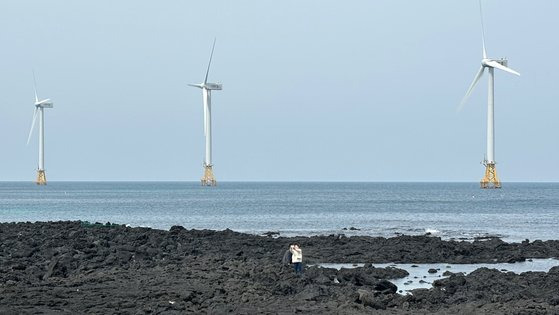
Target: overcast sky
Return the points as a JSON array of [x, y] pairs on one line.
[[312, 90]]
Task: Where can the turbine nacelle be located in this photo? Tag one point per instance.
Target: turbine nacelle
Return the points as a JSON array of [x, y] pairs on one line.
[[208, 86], [213, 86], [501, 64], [44, 103]]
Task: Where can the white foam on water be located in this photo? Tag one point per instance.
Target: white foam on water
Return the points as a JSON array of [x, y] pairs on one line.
[[420, 278], [432, 231]]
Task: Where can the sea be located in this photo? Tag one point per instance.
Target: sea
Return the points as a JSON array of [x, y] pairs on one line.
[[460, 211]]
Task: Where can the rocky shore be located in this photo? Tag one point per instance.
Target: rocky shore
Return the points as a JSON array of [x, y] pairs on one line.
[[77, 267]]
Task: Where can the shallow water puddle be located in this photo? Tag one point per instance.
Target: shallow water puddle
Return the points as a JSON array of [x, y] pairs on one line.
[[419, 276]]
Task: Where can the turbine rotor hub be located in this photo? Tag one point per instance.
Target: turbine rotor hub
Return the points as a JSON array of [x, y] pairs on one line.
[[485, 62]]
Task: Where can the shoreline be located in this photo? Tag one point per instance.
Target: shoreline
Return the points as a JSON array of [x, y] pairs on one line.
[[74, 267]]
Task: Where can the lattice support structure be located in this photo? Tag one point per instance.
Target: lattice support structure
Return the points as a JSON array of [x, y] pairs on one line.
[[208, 179], [41, 177], [490, 179]]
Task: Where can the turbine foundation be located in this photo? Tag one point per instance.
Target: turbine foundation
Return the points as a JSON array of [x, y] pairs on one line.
[[208, 179], [41, 177], [490, 179]]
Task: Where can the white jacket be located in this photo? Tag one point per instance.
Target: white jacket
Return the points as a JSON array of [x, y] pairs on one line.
[[296, 254]]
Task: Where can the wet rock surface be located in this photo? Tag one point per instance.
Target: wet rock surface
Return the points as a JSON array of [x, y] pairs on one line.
[[73, 267]]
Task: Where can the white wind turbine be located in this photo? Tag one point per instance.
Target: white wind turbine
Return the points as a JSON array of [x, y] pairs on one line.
[[39, 109], [208, 179], [490, 179]]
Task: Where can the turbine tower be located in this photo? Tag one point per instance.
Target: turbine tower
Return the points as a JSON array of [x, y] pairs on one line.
[[208, 178], [490, 178], [39, 109]]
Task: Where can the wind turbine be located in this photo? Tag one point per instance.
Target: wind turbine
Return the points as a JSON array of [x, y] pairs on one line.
[[208, 179], [39, 109], [490, 178]]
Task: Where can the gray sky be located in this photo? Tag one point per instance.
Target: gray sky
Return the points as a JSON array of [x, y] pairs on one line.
[[313, 90]]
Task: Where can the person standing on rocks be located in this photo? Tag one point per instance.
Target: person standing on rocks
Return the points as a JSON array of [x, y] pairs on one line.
[[296, 257]]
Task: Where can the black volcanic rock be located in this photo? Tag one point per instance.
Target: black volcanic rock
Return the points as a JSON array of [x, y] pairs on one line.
[[79, 267]]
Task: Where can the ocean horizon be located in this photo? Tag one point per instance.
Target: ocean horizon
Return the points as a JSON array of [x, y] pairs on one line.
[[451, 210]]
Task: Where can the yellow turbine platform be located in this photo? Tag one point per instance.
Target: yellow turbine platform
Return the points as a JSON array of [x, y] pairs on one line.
[[208, 179], [41, 178], [490, 179]]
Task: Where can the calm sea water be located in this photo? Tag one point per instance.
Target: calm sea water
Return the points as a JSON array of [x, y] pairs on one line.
[[451, 210]]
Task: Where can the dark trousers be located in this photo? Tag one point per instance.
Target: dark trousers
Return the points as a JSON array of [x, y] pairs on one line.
[[298, 267]]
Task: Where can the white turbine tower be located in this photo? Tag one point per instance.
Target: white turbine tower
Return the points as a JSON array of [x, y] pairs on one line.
[[39, 109], [490, 179], [208, 179]]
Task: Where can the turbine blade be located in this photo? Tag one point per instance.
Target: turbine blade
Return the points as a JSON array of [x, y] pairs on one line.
[[32, 124], [196, 85], [209, 63], [35, 87], [472, 86], [497, 65], [482, 31]]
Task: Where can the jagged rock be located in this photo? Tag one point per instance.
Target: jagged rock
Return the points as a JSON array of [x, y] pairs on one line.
[[73, 267], [50, 268], [386, 286], [368, 298], [176, 229]]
